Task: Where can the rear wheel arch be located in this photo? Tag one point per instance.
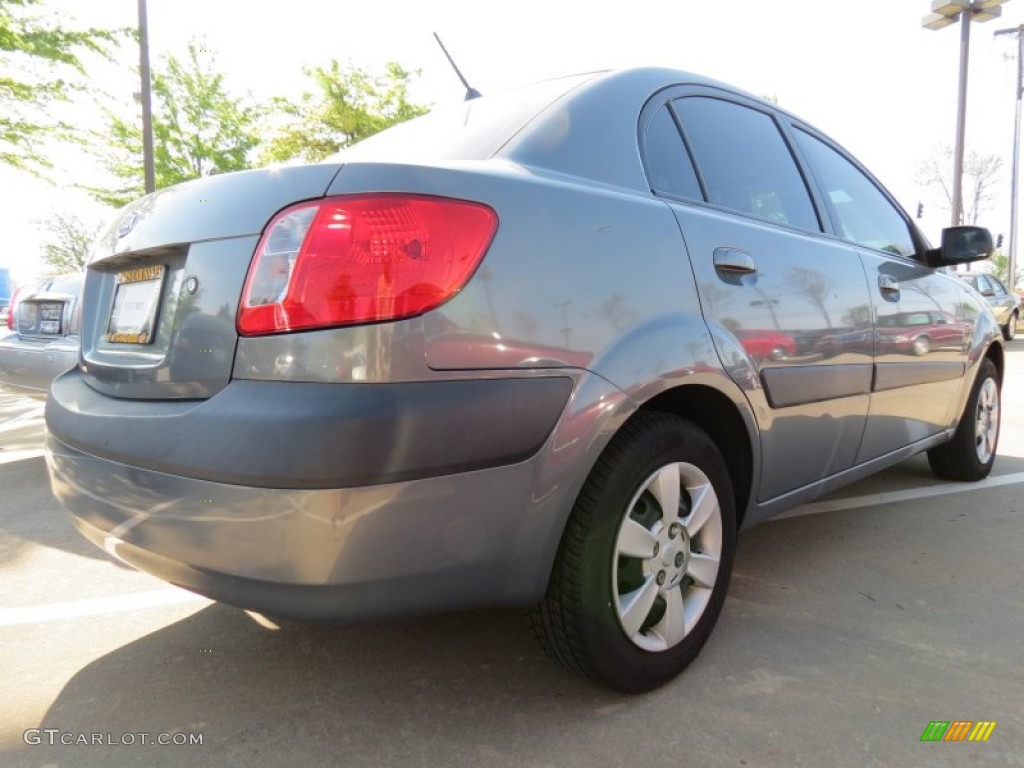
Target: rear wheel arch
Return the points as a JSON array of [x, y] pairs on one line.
[[723, 422], [996, 354]]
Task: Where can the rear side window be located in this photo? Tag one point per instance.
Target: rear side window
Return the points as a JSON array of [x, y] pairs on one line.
[[669, 168], [864, 214], [745, 163]]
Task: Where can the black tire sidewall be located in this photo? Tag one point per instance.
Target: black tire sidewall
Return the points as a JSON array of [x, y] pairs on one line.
[[615, 659], [958, 459]]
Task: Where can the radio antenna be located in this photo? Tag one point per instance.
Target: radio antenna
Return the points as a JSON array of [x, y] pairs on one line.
[[471, 92]]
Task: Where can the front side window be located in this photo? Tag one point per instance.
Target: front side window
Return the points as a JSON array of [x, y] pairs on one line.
[[864, 214], [744, 161]]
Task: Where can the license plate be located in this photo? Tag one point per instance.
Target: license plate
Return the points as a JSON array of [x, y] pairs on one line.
[[136, 300], [49, 316]]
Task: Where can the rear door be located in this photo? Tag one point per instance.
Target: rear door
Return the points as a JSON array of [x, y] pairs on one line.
[[773, 288], [921, 329]]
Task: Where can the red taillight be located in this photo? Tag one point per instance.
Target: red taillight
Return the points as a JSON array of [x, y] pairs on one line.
[[12, 308], [362, 259]]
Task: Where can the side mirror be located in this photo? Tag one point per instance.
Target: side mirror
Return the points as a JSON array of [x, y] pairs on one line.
[[961, 245]]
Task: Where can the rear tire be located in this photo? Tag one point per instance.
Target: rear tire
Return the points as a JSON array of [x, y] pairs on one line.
[[643, 567], [972, 451]]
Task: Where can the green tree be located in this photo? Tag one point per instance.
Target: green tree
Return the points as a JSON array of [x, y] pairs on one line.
[[40, 66], [1001, 268], [347, 105], [198, 130], [67, 244]]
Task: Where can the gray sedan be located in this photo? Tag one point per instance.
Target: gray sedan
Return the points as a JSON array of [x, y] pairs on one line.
[[1005, 305], [44, 341], [513, 352]]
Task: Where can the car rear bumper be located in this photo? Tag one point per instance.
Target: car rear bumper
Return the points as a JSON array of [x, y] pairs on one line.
[[310, 435], [395, 549], [29, 365]]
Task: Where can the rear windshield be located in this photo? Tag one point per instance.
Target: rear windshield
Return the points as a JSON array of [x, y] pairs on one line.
[[469, 130]]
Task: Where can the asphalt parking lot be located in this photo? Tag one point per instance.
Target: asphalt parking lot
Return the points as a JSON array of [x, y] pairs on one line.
[[850, 626]]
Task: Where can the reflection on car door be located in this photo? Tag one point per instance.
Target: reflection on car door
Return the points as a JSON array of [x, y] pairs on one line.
[[771, 286], [921, 330]]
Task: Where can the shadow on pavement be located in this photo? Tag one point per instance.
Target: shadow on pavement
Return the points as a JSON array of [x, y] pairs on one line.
[[844, 634]]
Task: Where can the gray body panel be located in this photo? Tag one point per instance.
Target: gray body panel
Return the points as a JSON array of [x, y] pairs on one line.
[[596, 299]]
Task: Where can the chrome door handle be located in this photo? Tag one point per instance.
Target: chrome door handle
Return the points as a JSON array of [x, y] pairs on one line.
[[734, 261], [888, 284]]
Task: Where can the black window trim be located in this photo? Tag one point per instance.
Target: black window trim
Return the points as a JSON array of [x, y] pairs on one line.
[[646, 118]]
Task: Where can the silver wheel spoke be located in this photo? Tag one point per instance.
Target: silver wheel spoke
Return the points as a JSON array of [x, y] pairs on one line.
[[672, 627], [704, 504], [703, 569], [986, 421], [635, 606], [635, 540], [668, 555], [665, 487]]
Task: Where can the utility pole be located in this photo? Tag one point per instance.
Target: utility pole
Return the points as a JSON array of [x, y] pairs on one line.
[[1011, 276], [944, 13], [147, 101]]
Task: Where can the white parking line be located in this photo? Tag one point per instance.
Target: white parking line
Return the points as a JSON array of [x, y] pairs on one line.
[[890, 497], [34, 614], [9, 457]]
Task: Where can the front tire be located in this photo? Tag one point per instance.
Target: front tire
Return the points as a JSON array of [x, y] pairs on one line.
[[1010, 329], [972, 451], [643, 567]]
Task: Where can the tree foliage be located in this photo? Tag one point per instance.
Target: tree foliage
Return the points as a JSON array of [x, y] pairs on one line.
[[999, 265], [199, 129], [346, 105], [40, 66], [980, 173], [67, 244]]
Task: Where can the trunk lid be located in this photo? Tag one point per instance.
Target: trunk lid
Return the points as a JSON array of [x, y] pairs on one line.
[[164, 281]]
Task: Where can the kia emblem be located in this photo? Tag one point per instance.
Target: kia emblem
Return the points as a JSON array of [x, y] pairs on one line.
[[127, 224]]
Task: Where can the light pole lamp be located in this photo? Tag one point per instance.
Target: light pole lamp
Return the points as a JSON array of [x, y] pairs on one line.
[[944, 13]]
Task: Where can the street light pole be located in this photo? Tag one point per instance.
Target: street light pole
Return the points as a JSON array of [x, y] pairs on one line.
[[147, 101], [1011, 273], [961, 122], [944, 13]]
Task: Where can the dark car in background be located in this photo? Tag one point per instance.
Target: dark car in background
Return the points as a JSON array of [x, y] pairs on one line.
[[549, 348], [1005, 305], [44, 334]]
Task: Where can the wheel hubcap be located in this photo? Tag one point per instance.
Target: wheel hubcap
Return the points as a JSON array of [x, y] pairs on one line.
[[986, 424], [666, 556]]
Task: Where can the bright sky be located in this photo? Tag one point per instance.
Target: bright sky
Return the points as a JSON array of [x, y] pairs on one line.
[[864, 72]]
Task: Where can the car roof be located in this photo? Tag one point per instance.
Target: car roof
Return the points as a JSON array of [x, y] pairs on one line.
[[582, 125]]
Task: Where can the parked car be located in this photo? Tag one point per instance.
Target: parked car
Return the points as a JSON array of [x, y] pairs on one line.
[[342, 433], [1005, 305], [767, 344], [920, 332], [44, 342]]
